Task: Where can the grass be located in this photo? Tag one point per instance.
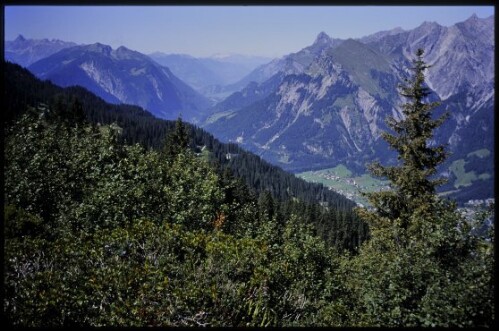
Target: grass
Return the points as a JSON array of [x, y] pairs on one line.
[[341, 171], [463, 178], [340, 179], [216, 116], [484, 176], [481, 153]]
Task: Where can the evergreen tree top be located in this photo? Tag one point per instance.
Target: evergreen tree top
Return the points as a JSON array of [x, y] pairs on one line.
[[412, 179]]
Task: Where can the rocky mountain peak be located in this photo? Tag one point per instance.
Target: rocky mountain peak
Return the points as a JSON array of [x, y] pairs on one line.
[[100, 48], [322, 38], [429, 26], [20, 38], [475, 25], [125, 53], [122, 76], [25, 51], [122, 49], [335, 108], [381, 34], [472, 18]]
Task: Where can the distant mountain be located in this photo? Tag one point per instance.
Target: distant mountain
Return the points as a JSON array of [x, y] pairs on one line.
[[123, 76], [209, 75], [27, 51], [266, 78], [462, 75], [331, 102], [190, 69], [463, 52], [381, 34], [250, 62], [233, 67]]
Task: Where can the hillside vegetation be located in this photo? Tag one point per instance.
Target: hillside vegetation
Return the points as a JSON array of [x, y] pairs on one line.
[[181, 230]]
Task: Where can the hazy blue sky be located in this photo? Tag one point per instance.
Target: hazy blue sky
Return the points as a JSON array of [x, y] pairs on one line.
[[206, 30]]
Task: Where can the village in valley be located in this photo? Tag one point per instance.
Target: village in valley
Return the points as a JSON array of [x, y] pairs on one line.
[[340, 179]]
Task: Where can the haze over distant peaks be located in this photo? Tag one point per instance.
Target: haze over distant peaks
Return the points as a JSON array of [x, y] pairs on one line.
[[208, 74], [27, 51]]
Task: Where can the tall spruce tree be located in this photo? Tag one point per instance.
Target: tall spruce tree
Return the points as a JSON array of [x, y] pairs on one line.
[[413, 188], [422, 265]]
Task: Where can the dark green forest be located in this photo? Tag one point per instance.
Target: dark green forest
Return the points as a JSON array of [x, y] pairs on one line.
[[115, 218]]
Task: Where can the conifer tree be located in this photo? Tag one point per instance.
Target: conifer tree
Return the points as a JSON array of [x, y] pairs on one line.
[[413, 187], [177, 140], [417, 266]]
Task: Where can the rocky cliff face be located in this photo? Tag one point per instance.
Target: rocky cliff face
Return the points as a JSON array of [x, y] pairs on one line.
[[123, 76], [333, 98], [462, 55], [335, 109]]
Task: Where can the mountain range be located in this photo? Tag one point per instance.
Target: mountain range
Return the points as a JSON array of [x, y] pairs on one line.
[[27, 51], [332, 97], [123, 76], [168, 85], [290, 64], [137, 125], [321, 106], [328, 110]]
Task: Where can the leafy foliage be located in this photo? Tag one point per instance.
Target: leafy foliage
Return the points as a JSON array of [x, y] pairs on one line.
[[101, 233]]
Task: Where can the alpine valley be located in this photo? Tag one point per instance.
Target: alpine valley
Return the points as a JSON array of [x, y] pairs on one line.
[[318, 108], [326, 105], [234, 190]]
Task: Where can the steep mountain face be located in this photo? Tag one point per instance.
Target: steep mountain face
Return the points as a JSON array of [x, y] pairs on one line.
[[123, 76], [27, 51], [334, 110], [464, 51], [462, 76], [265, 79], [330, 108]]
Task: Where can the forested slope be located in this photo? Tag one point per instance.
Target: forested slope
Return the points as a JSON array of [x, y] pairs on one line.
[[139, 126]]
